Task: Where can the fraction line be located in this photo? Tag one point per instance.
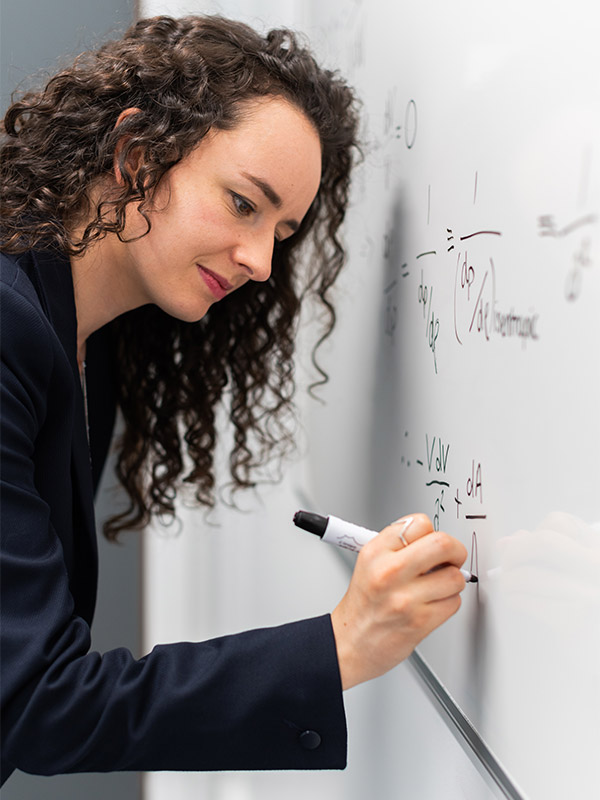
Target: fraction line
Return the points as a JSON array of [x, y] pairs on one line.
[[480, 233], [579, 223]]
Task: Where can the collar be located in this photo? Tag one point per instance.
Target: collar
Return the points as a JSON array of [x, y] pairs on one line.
[[53, 282]]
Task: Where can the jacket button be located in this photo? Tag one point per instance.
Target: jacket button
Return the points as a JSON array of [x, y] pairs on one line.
[[310, 740]]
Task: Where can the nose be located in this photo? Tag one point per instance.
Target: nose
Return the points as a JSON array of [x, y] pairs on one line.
[[255, 255]]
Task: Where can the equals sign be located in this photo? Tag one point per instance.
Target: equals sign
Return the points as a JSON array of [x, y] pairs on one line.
[[449, 238], [405, 272]]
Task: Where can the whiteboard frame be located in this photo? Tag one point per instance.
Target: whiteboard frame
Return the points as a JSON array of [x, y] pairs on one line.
[[463, 731]]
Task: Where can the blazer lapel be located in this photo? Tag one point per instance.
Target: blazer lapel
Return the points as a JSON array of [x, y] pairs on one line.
[[56, 284]]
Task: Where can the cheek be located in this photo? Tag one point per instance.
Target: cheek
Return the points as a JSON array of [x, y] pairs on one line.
[[185, 229], [206, 230]]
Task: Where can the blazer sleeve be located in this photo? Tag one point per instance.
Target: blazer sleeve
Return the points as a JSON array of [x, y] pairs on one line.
[[264, 699]]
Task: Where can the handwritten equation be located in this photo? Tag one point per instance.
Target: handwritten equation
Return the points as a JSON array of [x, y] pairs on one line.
[[458, 280], [462, 500], [398, 125], [477, 310], [475, 306], [577, 233]]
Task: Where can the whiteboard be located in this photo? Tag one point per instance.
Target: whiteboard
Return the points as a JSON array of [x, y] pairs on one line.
[[464, 371]]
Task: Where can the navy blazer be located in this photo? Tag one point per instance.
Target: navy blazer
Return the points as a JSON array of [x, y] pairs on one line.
[[265, 699]]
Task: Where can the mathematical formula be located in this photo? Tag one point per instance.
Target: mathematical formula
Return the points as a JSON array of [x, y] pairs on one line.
[[463, 499]]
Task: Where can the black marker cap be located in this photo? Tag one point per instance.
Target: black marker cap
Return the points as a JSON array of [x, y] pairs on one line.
[[313, 523]]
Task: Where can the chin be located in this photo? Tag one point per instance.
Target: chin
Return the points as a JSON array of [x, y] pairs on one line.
[[194, 314]]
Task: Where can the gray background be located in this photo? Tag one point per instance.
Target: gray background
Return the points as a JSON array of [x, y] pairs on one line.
[[37, 37]]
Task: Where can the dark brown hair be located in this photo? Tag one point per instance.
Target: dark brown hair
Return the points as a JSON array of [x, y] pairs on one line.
[[186, 76]]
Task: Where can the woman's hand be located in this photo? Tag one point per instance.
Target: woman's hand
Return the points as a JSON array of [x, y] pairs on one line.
[[395, 599]]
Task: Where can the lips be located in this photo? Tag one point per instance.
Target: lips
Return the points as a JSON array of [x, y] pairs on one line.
[[216, 283]]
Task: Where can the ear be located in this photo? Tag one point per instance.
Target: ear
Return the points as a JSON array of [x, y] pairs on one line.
[[120, 144]]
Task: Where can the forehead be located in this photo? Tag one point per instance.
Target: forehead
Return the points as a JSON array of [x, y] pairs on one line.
[[274, 141]]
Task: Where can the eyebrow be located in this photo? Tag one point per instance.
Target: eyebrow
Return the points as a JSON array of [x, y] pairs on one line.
[[271, 196]]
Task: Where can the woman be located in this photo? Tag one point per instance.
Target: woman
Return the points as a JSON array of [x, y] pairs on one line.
[[155, 197]]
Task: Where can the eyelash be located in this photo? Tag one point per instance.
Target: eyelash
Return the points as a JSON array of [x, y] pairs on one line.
[[239, 201]]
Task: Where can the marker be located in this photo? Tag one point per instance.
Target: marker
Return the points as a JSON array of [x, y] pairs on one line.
[[346, 535]]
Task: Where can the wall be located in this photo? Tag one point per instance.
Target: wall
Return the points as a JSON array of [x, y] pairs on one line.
[[36, 37]]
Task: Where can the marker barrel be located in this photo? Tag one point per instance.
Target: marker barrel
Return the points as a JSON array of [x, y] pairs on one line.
[[346, 535]]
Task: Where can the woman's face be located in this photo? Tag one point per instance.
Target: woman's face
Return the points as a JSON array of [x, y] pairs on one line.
[[218, 212]]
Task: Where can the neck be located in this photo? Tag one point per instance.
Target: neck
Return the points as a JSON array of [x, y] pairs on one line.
[[101, 288]]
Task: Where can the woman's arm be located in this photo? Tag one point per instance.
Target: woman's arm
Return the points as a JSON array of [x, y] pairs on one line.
[[237, 702]]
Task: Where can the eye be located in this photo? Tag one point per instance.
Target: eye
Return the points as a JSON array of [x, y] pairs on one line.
[[243, 207]]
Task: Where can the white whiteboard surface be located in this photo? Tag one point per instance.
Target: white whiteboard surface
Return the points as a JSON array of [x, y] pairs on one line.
[[465, 366], [500, 106]]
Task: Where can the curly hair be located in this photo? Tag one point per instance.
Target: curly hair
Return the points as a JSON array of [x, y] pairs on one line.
[[185, 76]]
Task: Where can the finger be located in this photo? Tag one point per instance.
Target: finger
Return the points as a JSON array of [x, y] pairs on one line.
[[404, 531], [434, 550], [440, 584], [441, 610]]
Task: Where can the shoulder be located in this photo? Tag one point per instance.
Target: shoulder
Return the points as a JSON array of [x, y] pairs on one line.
[[28, 343], [22, 315], [15, 277]]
